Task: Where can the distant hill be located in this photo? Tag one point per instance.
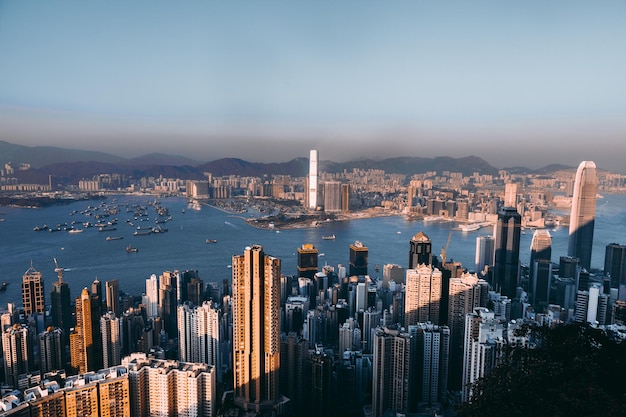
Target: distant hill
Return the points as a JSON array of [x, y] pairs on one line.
[[71, 165]]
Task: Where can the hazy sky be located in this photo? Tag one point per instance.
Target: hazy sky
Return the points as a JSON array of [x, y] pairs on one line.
[[515, 82]]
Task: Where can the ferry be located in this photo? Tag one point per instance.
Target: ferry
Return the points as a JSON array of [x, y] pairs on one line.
[[130, 249], [469, 227], [73, 231], [328, 237]]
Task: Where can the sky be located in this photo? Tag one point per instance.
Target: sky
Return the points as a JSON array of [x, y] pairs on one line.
[[515, 82]]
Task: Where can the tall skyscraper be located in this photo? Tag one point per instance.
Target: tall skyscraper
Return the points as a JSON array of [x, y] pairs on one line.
[[615, 264], [332, 197], [112, 289], [582, 218], [18, 353], [307, 261], [313, 180], [358, 259], [151, 299], [256, 329], [60, 300], [51, 350], [506, 267], [111, 340], [433, 352], [485, 252], [81, 340], [423, 295], [199, 334], [541, 246], [510, 194], [420, 251], [32, 292]]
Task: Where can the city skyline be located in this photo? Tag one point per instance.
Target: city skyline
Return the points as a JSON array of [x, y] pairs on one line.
[[358, 80]]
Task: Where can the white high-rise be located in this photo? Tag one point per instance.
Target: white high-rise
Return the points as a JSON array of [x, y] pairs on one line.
[[582, 217], [313, 178], [111, 342], [151, 299], [199, 334]]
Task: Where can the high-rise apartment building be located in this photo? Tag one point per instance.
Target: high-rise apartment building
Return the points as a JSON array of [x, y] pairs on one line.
[[583, 214], [345, 198], [81, 340], [423, 295], [32, 292], [151, 298], [420, 251], [313, 179], [111, 339], [485, 253], [199, 334], [307, 260], [18, 353], [510, 194], [332, 197], [506, 265], [256, 329], [615, 264], [433, 353], [51, 350], [358, 259]]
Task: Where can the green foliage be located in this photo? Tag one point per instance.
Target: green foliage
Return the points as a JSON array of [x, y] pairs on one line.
[[575, 370]]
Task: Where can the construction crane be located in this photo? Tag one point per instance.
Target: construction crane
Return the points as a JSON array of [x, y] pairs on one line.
[[58, 270], [444, 250]]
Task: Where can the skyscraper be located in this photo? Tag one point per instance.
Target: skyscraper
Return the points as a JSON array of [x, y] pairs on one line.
[[199, 334], [111, 340], [18, 356], [32, 292], [506, 266], [358, 259], [51, 350], [423, 295], [307, 260], [615, 264], [81, 340], [313, 180], [582, 218], [420, 251], [256, 329], [60, 300], [433, 351], [540, 250], [485, 251], [112, 289], [151, 299]]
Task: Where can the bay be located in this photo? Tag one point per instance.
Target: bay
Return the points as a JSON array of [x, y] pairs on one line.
[[88, 255]]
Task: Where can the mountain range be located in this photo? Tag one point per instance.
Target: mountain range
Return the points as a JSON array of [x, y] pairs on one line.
[[71, 165]]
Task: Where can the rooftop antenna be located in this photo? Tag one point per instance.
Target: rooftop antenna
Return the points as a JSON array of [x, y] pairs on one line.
[[58, 270]]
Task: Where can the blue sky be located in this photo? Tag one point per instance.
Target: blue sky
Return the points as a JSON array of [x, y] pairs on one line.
[[515, 82]]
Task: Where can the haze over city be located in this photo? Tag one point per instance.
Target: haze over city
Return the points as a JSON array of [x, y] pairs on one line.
[[527, 83]]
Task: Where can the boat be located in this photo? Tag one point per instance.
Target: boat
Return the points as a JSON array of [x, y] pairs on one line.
[[4, 286], [211, 241], [328, 237], [40, 228], [130, 249], [469, 227], [114, 237], [107, 228], [432, 218], [143, 232], [73, 231]]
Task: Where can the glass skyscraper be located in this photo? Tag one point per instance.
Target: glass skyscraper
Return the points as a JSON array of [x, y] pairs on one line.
[[582, 218]]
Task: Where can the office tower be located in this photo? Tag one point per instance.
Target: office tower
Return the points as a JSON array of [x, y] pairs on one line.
[[540, 247], [256, 329], [320, 394], [168, 301], [151, 299], [583, 214], [51, 350], [199, 334], [510, 195], [466, 293], [111, 340], [61, 312], [433, 353], [18, 353], [358, 259], [307, 260], [506, 266], [371, 320], [296, 309], [293, 354], [420, 251], [393, 273], [313, 180], [485, 253], [615, 264], [112, 290], [484, 343], [332, 197], [97, 304], [32, 292], [81, 340], [345, 198], [540, 283], [394, 371], [423, 295], [96, 291]]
